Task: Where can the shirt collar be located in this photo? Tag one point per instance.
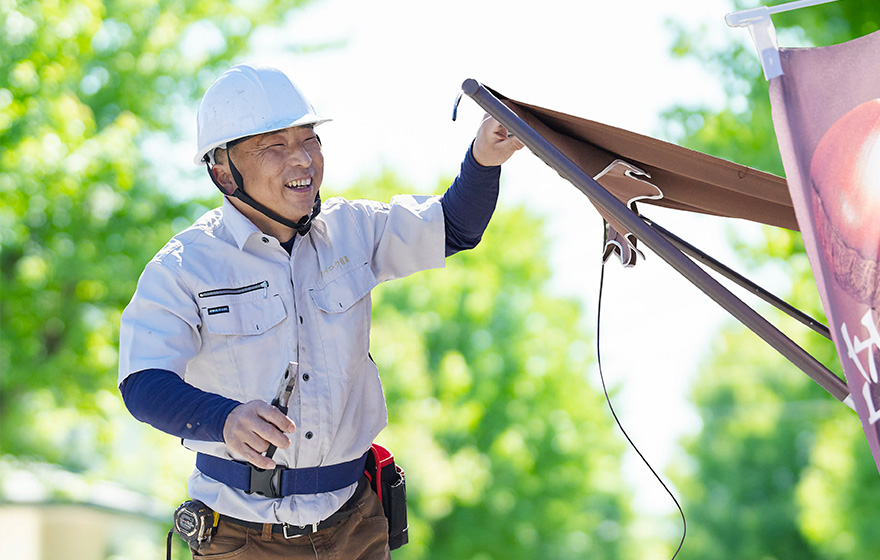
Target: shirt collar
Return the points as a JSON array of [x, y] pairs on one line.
[[238, 224], [242, 228]]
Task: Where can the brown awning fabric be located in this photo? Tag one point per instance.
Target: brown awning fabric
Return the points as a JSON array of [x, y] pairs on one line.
[[580, 151], [688, 180]]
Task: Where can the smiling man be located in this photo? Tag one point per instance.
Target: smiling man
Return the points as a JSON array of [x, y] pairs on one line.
[[248, 335]]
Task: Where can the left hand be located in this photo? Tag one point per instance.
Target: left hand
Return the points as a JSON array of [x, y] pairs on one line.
[[252, 427], [492, 145]]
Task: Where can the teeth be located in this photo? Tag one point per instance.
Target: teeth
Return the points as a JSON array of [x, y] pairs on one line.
[[300, 183]]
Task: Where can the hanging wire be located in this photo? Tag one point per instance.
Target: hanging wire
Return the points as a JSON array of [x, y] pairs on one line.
[[616, 419]]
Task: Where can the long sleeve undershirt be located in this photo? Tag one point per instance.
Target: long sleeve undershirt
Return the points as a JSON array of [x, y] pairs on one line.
[[167, 402], [164, 400], [468, 204]]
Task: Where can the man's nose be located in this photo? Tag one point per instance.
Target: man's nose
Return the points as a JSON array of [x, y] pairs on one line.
[[299, 155]]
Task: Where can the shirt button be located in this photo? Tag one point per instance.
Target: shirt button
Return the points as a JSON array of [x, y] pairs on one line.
[[306, 377], [265, 240], [309, 435]]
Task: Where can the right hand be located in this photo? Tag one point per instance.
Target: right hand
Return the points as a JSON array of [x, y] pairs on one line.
[[251, 427], [492, 145]]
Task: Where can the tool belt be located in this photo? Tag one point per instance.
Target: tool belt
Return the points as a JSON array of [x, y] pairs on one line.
[[376, 466], [281, 481]]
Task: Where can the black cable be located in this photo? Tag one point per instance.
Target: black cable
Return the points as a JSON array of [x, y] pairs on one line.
[[616, 419]]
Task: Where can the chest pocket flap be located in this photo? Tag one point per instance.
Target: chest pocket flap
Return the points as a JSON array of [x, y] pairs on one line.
[[343, 292], [243, 315]]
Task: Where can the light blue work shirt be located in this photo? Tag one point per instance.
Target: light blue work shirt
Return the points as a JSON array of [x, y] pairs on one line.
[[225, 307]]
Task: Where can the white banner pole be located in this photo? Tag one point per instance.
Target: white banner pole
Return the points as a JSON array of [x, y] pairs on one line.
[[764, 34]]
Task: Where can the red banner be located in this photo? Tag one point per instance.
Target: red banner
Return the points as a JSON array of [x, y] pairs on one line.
[[826, 111]]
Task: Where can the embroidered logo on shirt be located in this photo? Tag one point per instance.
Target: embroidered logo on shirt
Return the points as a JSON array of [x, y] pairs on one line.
[[218, 310], [336, 264]]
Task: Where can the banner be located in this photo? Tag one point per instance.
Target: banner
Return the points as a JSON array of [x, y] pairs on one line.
[[826, 111]]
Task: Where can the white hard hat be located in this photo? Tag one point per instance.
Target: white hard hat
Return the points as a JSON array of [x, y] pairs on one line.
[[250, 99]]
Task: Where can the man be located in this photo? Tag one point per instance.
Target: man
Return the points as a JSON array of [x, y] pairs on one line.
[[275, 284]]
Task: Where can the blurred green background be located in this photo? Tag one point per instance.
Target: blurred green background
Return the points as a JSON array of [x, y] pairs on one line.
[[509, 448]]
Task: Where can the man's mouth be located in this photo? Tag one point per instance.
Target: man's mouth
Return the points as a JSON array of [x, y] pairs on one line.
[[300, 184]]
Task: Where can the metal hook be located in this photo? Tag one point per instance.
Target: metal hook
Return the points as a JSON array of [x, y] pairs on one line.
[[455, 107]]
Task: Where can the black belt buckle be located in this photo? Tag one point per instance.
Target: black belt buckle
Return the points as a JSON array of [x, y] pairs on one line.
[[266, 482]]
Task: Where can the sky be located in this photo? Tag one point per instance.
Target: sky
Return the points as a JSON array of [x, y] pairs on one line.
[[389, 83]]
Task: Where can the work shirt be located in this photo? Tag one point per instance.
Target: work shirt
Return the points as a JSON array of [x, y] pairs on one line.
[[225, 306]]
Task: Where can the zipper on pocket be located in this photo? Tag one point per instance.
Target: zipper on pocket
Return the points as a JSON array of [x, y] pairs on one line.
[[235, 291]]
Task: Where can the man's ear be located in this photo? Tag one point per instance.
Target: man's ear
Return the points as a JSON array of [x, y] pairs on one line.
[[223, 178]]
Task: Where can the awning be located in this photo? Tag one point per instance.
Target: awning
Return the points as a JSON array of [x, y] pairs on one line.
[[687, 179], [826, 112], [616, 169], [637, 168]]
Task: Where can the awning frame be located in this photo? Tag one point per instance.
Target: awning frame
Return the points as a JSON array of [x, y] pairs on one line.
[[656, 241], [732, 275]]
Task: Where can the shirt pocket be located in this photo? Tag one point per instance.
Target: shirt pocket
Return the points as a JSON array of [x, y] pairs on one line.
[[245, 311], [340, 294], [242, 338], [343, 316]]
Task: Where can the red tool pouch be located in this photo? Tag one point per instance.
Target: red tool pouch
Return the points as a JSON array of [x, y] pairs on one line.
[[389, 483]]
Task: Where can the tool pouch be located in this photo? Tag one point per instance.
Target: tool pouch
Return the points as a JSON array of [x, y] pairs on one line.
[[389, 483]]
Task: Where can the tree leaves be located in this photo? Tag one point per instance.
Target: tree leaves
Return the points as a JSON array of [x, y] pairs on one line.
[[486, 372], [83, 83]]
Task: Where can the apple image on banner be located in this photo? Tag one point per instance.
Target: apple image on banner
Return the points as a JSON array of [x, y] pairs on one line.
[[845, 172]]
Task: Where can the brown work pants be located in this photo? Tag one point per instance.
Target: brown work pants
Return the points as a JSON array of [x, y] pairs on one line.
[[362, 536]]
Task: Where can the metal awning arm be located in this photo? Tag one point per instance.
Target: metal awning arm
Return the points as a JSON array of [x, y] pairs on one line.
[[739, 279], [600, 197]]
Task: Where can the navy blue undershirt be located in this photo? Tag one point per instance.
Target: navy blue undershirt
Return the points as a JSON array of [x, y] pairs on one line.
[[468, 204], [167, 402]]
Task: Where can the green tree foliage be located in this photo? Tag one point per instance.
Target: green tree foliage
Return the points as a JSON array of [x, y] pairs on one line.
[[510, 451], [82, 83], [508, 447], [759, 418], [780, 470]]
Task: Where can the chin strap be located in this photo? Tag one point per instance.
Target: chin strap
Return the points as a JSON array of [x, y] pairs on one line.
[[302, 227]]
